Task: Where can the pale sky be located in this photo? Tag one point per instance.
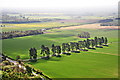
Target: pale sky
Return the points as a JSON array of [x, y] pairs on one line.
[[56, 3]]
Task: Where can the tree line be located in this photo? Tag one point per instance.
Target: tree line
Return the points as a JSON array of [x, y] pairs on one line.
[[67, 48], [12, 34]]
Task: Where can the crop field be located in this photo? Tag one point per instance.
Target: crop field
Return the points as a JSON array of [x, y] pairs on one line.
[[82, 65], [34, 26], [91, 26], [40, 16], [14, 45], [49, 17], [42, 25], [93, 17], [99, 63]]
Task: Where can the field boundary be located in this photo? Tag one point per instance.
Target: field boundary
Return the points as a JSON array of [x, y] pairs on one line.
[[104, 53]]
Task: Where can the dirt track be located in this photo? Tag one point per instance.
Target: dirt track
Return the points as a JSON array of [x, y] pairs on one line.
[[90, 26], [104, 53]]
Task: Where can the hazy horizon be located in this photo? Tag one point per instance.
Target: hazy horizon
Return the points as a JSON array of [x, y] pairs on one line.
[[61, 6]]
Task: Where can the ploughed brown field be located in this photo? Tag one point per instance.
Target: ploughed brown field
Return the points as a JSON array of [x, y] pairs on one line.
[[91, 26]]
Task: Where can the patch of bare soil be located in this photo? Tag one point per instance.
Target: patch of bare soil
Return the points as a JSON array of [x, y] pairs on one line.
[[90, 26]]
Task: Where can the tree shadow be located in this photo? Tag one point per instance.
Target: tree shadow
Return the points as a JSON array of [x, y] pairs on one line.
[[58, 56], [92, 48], [68, 53], [106, 45], [75, 51], [99, 47], [64, 53]]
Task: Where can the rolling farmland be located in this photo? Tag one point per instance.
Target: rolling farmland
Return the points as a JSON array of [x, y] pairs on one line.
[[98, 63], [81, 64]]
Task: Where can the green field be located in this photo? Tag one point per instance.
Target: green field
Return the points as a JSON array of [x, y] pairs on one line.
[[92, 64], [83, 65]]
